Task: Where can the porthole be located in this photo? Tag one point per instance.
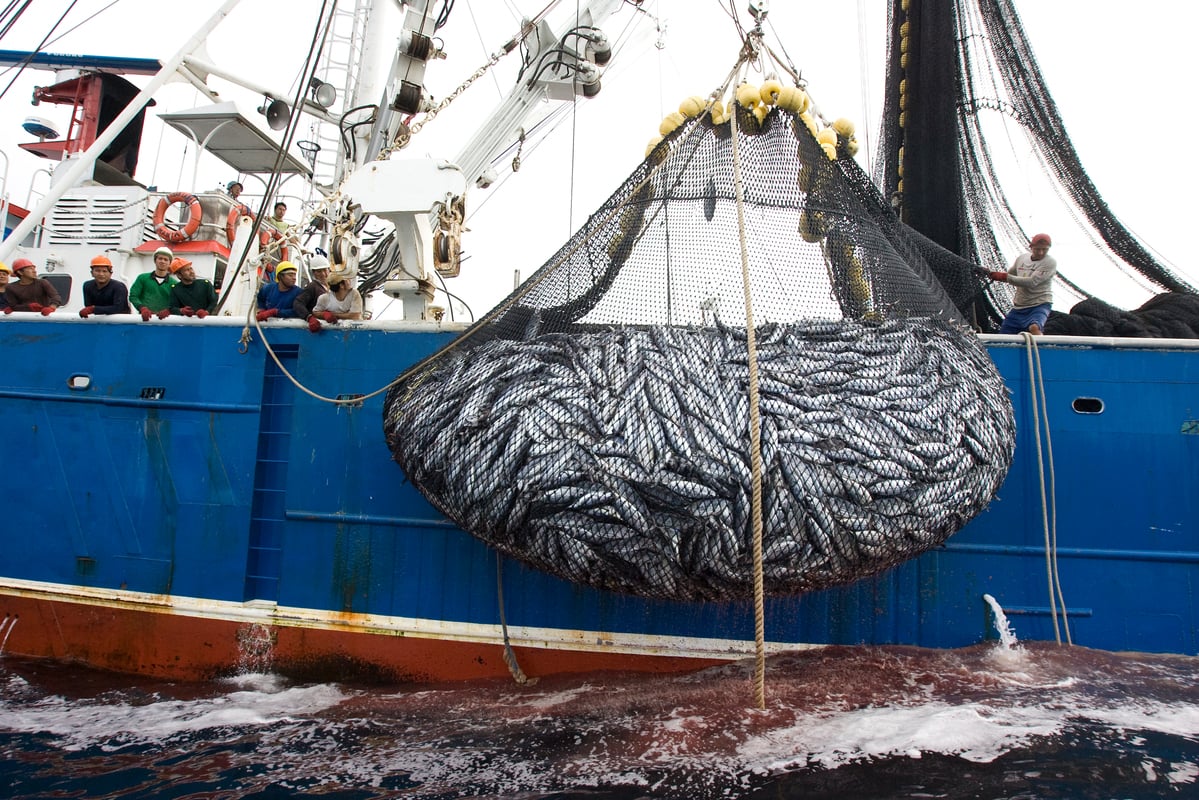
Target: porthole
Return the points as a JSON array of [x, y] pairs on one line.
[[1088, 405]]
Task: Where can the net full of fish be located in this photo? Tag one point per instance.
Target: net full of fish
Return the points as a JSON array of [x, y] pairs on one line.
[[620, 458]]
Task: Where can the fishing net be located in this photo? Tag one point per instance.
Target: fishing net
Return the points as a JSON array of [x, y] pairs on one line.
[[963, 64], [597, 424]]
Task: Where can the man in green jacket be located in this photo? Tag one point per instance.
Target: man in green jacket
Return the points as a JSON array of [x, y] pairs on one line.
[[150, 293], [192, 295]]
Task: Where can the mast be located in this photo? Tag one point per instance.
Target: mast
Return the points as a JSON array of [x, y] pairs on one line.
[[921, 161]]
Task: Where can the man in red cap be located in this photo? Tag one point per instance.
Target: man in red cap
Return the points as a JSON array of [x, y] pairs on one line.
[[102, 295], [1032, 275], [31, 293]]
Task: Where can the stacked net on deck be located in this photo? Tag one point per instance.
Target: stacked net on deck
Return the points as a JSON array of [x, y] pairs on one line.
[[596, 424]]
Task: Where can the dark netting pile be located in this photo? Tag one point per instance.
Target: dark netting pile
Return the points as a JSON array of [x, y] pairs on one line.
[[1164, 316], [596, 424]]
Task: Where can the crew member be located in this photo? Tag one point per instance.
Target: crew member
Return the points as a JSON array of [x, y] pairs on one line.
[[278, 299], [1032, 275], [102, 295], [191, 296], [151, 291], [5, 274], [318, 268], [31, 293]]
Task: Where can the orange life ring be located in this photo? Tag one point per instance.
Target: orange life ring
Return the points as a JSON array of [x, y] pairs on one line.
[[193, 221], [237, 212], [270, 233]]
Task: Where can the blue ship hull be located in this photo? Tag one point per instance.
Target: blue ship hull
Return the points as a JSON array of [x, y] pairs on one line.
[[177, 507]]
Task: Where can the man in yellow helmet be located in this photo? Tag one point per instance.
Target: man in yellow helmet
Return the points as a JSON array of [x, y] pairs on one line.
[[5, 274], [278, 299]]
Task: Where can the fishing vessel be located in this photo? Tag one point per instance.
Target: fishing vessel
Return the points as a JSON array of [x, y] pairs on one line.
[[192, 497]]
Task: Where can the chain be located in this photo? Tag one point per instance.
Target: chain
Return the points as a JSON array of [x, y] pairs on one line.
[[516, 160], [405, 133]]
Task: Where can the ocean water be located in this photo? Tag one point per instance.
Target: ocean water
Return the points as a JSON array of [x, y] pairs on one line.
[[998, 720]]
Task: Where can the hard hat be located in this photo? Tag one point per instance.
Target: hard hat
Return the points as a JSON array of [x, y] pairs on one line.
[[231, 184], [1040, 238], [317, 261], [285, 266], [164, 251], [22, 263], [102, 261], [178, 264], [5, 268]]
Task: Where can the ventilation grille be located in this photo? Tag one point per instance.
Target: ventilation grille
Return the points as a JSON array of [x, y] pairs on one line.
[[92, 220]]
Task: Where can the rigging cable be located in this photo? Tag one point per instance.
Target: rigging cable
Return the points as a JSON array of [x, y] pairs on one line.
[[273, 182], [29, 58]]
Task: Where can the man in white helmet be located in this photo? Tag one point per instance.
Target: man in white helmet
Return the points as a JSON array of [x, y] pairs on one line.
[[318, 268]]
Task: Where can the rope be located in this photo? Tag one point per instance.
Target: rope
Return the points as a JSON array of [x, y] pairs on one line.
[[1040, 412], [755, 435], [350, 401], [518, 674]]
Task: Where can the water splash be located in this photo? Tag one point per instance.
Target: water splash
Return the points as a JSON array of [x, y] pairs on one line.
[[6, 628], [1007, 641], [256, 649]]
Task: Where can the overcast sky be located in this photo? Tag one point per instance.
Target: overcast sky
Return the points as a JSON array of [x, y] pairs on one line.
[[1120, 74]]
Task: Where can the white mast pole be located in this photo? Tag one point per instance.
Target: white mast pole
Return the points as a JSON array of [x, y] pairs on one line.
[[87, 160]]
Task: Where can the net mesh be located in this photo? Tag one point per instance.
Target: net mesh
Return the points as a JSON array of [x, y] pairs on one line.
[[972, 61], [596, 424]]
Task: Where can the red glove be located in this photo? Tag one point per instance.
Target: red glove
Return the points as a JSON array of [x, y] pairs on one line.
[[999, 276], [266, 314], [8, 309], [87, 311], [314, 324], [166, 312], [146, 313], [187, 311], [48, 310], [328, 316], [35, 306], [202, 313]]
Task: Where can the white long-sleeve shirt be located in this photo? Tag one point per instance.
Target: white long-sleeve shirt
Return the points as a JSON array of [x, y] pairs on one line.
[[1033, 280], [352, 304]]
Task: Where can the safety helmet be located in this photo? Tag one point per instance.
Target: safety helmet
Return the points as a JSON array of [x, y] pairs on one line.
[[102, 261], [178, 264], [164, 251], [231, 184], [5, 268], [22, 263], [317, 261], [284, 266]]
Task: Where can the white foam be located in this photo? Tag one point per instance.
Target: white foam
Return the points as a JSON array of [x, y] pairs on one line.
[[974, 732], [81, 724]]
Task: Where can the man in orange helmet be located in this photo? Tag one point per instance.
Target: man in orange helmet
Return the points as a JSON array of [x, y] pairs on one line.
[[31, 293], [102, 295], [192, 296]]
